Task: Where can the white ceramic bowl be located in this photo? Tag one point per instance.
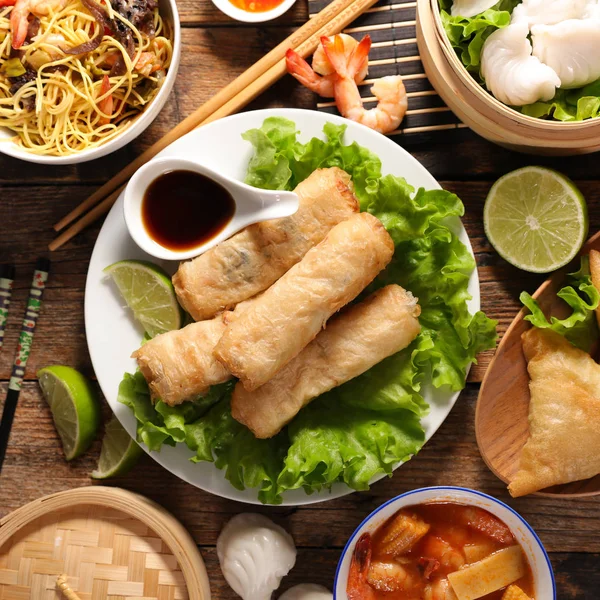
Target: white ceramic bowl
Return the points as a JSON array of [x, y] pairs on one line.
[[545, 587], [225, 6], [168, 10]]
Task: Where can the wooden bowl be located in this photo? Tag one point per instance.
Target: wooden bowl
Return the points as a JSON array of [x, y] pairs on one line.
[[478, 109], [111, 543], [501, 417]]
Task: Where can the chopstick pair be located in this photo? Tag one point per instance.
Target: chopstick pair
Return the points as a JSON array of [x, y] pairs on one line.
[[233, 97], [32, 312]]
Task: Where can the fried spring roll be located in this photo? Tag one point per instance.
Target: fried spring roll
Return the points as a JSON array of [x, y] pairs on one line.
[[252, 260], [179, 365], [360, 337], [288, 316]]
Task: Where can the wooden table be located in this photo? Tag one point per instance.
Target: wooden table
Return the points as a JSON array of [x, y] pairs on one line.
[[32, 198]]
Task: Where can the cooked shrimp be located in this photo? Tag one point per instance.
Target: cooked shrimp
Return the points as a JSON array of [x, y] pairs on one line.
[[358, 587], [390, 577], [320, 77], [389, 91], [448, 556], [148, 63], [19, 17], [440, 590]]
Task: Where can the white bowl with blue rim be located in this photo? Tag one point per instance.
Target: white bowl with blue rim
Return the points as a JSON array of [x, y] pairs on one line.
[[545, 586]]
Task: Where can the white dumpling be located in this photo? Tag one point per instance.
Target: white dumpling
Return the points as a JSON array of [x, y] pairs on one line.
[[549, 12], [470, 8], [307, 591], [254, 554], [511, 73], [571, 49], [593, 9]]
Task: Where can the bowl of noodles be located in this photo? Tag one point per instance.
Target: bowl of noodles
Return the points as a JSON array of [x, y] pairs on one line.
[[81, 78]]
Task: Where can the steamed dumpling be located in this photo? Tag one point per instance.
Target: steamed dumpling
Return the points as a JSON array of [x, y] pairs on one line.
[[549, 12], [254, 554], [571, 49], [593, 9], [470, 8], [511, 73], [307, 591]]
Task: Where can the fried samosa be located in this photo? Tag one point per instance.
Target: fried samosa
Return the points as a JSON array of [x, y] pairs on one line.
[[179, 365], [295, 308], [355, 340], [253, 259], [564, 414]]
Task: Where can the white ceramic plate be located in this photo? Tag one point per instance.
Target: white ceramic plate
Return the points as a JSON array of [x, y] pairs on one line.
[[112, 334]]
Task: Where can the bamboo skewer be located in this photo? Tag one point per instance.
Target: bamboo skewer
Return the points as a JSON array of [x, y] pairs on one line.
[[237, 94]]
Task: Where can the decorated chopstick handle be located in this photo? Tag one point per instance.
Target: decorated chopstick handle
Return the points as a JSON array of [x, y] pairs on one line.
[[7, 275], [34, 303]]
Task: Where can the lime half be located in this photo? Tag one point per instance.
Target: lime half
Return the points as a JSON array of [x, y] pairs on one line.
[[149, 293], [536, 219], [119, 452], [74, 405]]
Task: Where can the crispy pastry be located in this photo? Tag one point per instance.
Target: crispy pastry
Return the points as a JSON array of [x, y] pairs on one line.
[[360, 337], [179, 365], [253, 259], [564, 414], [294, 309]]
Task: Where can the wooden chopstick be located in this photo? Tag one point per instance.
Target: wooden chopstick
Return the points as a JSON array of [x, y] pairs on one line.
[[306, 37]]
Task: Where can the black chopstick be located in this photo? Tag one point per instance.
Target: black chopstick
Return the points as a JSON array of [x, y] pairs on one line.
[[32, 311], [7, 276]]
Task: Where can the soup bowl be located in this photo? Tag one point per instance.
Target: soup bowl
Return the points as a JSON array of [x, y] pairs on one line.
[[544, 584]]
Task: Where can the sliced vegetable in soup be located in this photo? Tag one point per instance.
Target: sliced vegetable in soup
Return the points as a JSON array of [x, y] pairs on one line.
[[440, 551]]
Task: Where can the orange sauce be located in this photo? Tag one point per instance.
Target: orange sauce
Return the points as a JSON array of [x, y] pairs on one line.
[[448, 523], [256, 6]]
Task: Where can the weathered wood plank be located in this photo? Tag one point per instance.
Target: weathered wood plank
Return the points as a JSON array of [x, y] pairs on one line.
[[212, 57], [38, 207], [206, 14], [34, 466]]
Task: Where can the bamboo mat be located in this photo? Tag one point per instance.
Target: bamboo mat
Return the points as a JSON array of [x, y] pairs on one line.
[[391, 25]]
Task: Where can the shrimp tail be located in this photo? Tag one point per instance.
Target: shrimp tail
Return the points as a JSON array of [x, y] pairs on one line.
[[336, 54], [298, 68], [106, 104], [19, 25], [359, 56], [4, 3], [358, 588]]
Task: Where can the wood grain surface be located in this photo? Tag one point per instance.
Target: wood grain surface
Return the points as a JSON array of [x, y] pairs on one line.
[[34, 197]]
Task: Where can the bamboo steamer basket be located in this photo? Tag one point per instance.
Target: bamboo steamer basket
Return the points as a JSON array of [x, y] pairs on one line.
[[485, 115], [112, 545]]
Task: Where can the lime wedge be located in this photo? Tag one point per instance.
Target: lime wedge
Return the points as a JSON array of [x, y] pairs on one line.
[[74, 405], [119, 452], [149, 293], [536, 219]]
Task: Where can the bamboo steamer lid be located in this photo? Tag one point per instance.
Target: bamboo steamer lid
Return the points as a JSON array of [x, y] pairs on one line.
[[112, 544], [485, 115]]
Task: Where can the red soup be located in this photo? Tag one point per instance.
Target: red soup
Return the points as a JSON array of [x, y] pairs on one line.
[[440, 551]]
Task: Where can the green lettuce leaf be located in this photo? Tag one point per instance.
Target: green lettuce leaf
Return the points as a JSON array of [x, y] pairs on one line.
[[568, 105], [366, 426], [467, 35], [582, 297]]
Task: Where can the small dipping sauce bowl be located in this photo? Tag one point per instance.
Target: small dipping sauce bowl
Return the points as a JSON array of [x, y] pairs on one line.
[[543, 577], [253, 15], [224, 207]]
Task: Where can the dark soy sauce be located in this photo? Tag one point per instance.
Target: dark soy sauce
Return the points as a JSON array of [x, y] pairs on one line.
[[182, 210]]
